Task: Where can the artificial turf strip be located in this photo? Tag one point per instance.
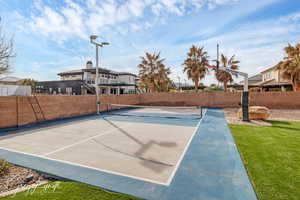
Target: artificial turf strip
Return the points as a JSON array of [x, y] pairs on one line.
[[272, 158], [68, 191]]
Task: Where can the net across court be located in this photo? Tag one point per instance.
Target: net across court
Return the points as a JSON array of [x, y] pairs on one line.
[[140, 142]]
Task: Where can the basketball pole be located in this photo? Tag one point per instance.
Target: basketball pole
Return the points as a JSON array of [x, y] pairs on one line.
[[245, 100], [245, 93], [218, 63]]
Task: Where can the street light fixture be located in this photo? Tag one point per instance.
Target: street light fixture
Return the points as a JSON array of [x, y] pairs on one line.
[[101, 44]]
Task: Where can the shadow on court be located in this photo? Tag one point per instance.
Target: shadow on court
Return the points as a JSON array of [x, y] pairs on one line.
[[144, 147]]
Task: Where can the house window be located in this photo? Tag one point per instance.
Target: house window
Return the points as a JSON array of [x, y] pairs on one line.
[[69, 90], [113, 91]]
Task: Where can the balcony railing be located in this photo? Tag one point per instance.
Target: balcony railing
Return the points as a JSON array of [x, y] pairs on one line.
[[107, 81]]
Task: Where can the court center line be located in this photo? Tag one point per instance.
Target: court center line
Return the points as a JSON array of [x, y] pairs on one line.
[[82, 141]]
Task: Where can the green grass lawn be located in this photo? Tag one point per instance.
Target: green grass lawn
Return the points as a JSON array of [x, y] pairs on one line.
[[68, 191], [272, 158]]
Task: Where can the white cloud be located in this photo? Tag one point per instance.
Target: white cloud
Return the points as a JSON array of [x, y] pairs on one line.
[[212, 4], [258, 44], [294, 17], [59, 25], [157, 9], [78, 20], [135, 27], [110, 13], [174, 6]]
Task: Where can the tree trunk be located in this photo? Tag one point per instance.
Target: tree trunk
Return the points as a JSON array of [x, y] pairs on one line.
[[296, 87], [225, 86], [196, 85]]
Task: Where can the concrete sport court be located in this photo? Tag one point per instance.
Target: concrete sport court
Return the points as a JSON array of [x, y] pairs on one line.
[[152, 153]]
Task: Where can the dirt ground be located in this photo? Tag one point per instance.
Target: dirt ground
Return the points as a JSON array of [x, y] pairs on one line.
[[276, 114]]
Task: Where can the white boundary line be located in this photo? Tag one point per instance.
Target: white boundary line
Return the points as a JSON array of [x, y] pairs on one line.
[[84, 140], [80, 165], [117, 173], [185, 150]]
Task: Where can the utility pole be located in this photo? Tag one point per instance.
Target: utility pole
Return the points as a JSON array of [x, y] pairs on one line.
[[101, 44]]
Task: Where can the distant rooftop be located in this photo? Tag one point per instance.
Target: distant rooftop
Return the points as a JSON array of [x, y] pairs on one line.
[[269, 69], [10, 79], [74, 71], [253, 80], [103, 70]]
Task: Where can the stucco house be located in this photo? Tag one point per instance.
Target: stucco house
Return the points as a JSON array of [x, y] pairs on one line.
[[272, 80], [267, 80], [82, 81]]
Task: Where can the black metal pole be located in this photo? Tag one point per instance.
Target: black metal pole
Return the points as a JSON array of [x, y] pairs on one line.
[[245, 106], [218, 64]]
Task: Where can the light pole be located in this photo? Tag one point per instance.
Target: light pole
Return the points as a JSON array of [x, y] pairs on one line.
[[101, 44], [179, 86]]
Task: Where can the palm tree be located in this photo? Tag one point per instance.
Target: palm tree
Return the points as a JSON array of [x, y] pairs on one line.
[[290, 67], [224, 76], [153, 74], [163, 81], [195, 65]]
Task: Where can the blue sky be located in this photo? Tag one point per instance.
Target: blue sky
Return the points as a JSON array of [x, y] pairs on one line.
[[53, 35]]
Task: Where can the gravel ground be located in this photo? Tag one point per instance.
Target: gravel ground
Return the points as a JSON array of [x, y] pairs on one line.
[[19, 177], [285, 115], [276, 114]]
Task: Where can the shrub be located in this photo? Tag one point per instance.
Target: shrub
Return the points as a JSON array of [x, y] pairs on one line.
[[4, 168]]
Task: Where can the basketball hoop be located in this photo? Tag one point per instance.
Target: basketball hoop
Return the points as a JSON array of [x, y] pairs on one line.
[[245, 94]]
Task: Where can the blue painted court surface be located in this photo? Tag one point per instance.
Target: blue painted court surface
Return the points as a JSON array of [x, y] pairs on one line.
[[156, 155]]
